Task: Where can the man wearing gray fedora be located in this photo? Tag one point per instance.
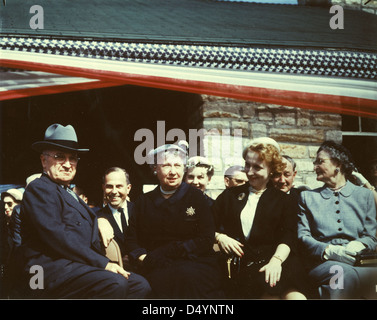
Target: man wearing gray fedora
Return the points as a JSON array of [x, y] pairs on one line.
[[60, 237]]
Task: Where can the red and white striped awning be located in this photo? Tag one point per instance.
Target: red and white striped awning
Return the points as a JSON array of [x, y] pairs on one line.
[[324, 93]]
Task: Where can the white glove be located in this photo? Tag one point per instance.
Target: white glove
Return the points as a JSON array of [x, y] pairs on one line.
[[338, 253], [360, 179], [354, 247], [229, 245]]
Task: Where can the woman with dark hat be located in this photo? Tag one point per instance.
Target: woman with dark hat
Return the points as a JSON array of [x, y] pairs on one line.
[[171, 233], [256, 229]]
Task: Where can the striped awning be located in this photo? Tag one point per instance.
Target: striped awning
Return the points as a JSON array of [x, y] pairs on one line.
[[337, 81]]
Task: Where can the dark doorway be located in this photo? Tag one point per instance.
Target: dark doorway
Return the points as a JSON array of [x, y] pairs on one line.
[[360, 137], [363, 150], [105, 121]]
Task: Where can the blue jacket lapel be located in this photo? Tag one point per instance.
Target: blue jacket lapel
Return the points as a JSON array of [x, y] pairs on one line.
[[79, 205]]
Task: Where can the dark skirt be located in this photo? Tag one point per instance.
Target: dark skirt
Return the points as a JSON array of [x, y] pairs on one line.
[[187, 279], [249, 283]]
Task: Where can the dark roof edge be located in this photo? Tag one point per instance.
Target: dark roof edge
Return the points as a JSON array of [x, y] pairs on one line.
[[191, 41]]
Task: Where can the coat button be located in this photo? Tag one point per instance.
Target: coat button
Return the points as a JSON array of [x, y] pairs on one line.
[[339, 221], [337, 211], [340, 229], [78, 223], [336, 202]]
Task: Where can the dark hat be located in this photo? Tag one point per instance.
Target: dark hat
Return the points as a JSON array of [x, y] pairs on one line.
[[59, 137]]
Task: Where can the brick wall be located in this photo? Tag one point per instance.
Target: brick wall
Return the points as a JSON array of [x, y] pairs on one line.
[[230, 123]]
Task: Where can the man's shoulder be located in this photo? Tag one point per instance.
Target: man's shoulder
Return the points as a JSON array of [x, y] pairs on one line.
[[103, 211], [130, 205], [42, 184]]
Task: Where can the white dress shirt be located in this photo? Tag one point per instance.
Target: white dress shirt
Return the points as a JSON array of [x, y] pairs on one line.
[[248, 212], [117, 217]]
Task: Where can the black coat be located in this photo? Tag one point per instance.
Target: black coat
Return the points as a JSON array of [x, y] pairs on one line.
[[159, 222], [119, 236], [275, 220], [177, 236]]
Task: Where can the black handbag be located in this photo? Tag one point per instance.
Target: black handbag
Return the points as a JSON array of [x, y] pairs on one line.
[[235, 265], [242, 278], [366, 258]]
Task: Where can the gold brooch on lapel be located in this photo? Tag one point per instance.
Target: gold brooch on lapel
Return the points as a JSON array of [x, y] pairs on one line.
[[190, 211], [241, 196]]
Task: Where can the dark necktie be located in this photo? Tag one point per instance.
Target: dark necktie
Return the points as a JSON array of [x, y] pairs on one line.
[[123, 219]]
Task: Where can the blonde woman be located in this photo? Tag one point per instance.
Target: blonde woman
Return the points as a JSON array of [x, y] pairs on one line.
[[257, 224]]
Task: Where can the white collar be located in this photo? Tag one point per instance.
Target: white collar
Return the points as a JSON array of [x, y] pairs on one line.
[[167, 192], [256, 192], [113, 210]]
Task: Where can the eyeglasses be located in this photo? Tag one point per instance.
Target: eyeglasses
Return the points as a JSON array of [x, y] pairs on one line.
[[318, 162], [61, 158], [9, 204], [239, 181]]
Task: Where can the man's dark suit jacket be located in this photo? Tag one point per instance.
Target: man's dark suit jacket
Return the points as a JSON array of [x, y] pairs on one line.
[[58, 233], [119, 236]]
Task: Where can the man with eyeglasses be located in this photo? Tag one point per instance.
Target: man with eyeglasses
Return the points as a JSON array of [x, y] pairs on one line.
[[235, 176], [60, 166], [60, 233]]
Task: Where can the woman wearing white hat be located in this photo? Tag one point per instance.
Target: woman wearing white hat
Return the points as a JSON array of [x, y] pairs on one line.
[[11, 198], [199, 174], [171, 233]]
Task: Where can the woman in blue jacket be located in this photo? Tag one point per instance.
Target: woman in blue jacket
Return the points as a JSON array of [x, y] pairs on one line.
[[336, 222]]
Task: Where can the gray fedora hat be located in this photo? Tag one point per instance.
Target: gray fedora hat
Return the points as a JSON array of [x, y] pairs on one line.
[[59, 137]]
